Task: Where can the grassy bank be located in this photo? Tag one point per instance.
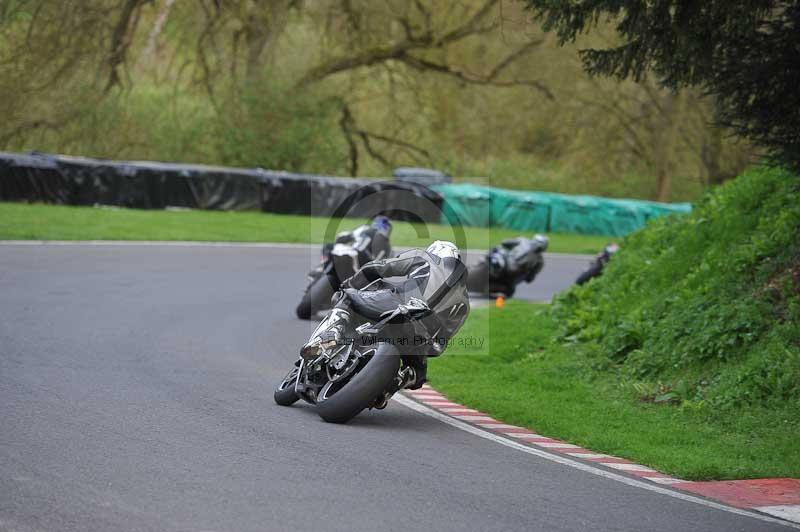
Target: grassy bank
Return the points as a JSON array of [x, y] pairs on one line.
[[527, 376], [53, 222], [684, 355]]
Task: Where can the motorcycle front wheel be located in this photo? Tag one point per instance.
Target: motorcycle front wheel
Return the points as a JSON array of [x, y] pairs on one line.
[[316, 298], [284, 393], [339, 403], [590, 273], [478, 278]]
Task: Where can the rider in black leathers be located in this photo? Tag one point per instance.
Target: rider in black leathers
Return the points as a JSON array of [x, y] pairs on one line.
[[506, 265], [364, 243], [598, 264], [436, 276], [521, 252]]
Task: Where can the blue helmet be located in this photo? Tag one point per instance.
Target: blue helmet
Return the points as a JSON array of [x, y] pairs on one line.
[[382, 224]]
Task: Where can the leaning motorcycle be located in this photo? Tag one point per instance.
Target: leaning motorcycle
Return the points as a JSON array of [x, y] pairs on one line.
[[507, 265], [387, 323], [339, 261]]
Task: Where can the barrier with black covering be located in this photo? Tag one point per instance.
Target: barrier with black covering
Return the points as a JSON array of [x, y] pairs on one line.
[[149, 185]]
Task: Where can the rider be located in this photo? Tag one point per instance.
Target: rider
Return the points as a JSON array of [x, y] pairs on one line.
[[436, 276], [365, 242], [597, 265], [519, 256]]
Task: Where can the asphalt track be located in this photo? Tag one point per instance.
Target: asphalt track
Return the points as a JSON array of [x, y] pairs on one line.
[[135, 394]]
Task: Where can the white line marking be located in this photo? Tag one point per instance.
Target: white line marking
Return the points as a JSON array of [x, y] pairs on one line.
[[170, 243], [497, 426], [557, 445], [205, 243], [589, 455], [627, 467], [526, 436], [787, 511], [427, 398], [460, 410], [561, 459], [664, 480], [475, 418]]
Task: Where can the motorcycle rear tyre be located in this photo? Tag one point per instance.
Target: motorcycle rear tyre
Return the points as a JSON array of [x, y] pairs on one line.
[[362, 390]]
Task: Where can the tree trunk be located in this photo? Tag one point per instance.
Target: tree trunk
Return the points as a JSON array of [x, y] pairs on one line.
[[667, 142], [263, 25], [158, 25]]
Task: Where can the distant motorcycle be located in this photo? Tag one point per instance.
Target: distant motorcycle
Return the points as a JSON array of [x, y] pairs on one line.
[[340, 260], [505, 266], [358, 356], [597, 265]]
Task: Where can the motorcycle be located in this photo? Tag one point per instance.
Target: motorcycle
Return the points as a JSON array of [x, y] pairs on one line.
[[387, 323], [597, 265], [338, 262], [507, 265]]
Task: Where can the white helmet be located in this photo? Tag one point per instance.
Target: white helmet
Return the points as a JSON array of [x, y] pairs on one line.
[[542, 240], [444, 249]]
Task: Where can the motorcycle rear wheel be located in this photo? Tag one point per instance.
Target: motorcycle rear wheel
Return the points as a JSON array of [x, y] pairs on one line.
[[363, 389]]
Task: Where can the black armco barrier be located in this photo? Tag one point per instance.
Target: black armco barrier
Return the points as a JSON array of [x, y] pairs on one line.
[[150, 185]]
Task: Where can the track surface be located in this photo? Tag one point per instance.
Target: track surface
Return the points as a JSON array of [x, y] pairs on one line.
[[135, 394]]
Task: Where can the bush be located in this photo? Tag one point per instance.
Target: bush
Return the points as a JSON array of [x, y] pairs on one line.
[[273, 126], [706, 305]]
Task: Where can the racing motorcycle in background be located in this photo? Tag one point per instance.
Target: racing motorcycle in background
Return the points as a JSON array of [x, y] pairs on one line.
[[597, 265], [340, 260], [505, 266], [386, 322]]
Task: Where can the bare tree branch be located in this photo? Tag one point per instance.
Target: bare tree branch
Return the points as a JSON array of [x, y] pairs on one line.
[[349, 128], [346, 123], [121, 39], [426, 40], [491, 79]]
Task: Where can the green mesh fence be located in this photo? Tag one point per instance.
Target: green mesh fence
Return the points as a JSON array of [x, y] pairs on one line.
[[482, 206]]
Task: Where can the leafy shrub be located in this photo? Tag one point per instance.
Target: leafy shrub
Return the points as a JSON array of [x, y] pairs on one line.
[[707, 304], [273, 126]]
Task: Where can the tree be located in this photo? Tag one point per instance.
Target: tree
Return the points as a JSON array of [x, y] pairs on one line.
[[743, 52]]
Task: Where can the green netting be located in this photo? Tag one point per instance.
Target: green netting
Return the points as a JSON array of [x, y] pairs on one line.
[[482, 206], [466, 204], [526, 211]]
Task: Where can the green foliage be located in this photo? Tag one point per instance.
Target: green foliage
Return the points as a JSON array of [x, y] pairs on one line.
[[424, 83], [707, 305], [726, 47], [526, 377], [272, 127]]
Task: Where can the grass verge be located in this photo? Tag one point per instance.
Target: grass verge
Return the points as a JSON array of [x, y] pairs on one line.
[[525, 377], [20, 221]]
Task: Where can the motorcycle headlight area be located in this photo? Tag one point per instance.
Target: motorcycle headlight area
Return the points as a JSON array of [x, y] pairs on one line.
[[318, 349]]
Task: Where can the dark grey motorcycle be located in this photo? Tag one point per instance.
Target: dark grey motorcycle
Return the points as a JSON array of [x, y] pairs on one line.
[[514, 261], [340, 260], [368, 346]]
